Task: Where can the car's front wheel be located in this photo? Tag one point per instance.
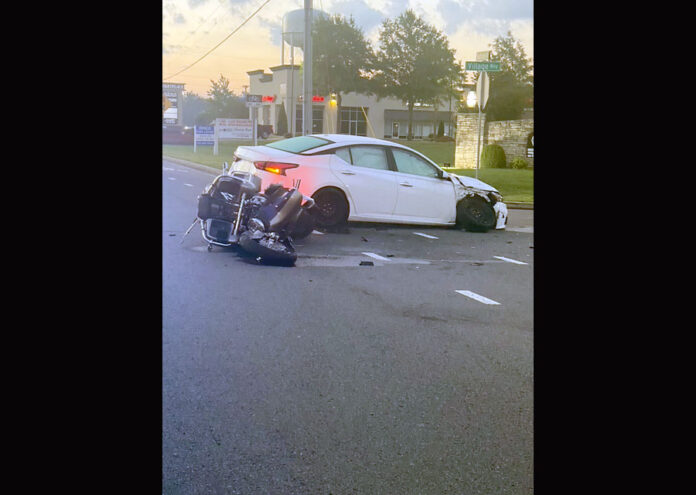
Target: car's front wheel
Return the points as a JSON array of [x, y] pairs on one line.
[[475, 215], [331, 207]]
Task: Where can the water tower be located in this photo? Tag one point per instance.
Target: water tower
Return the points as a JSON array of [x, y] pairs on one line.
[[293, 34]]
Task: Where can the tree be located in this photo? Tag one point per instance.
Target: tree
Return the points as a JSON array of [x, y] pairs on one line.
[[512, 89], [282, 123], [223, 103], [191, 106], [342, 59], [414, 63]]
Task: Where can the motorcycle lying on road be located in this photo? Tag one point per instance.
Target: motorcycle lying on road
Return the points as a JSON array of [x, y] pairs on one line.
[[233, 211]]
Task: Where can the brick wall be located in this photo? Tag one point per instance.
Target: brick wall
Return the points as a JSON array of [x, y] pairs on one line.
[[511, 135]]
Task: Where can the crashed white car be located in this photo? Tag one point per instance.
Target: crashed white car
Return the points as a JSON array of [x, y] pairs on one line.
[[355, 178]]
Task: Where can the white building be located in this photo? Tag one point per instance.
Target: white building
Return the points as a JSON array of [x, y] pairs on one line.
[[360, 114]]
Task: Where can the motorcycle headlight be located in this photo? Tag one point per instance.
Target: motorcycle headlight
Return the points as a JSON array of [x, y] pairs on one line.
[[256, 225]]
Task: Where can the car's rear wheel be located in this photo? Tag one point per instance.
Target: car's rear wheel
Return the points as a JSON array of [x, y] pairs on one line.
[[331, 207], [475, 215]]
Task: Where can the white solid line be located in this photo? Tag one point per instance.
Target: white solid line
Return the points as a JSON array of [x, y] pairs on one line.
[[376, 256], [167, 168], [477, 297], [509, 260], [426, 235], [190, 185]]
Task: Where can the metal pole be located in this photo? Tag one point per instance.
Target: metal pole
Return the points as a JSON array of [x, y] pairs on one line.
[[307, 99], [291, 110], [255, 111], [478, 142]]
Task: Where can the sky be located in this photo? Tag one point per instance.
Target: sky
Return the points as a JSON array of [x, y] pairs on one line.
[[190, 28]]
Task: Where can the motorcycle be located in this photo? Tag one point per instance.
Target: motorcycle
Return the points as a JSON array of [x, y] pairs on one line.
[[233, 211]]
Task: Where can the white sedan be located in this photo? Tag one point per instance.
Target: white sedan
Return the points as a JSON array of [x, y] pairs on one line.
[[355, 178]]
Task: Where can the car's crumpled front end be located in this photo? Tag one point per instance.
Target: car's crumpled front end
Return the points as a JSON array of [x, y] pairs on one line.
[[468, 186]]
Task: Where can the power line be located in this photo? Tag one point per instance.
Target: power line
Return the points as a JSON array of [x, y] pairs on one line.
[[213, 48], [204, 21]]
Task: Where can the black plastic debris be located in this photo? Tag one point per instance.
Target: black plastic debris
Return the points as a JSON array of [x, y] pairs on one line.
[[172, 235], [389, 255], [367, 263], [363, 239]]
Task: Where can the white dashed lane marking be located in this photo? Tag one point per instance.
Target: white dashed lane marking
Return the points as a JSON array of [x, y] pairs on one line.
[[510, 260], [171, 178], [376, 256], [476, 297], [189, 185], [426, 235]]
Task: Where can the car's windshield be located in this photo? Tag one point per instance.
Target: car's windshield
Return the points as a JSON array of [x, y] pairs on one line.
[[299, 144]]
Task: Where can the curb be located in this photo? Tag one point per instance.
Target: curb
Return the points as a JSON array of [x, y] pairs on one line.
[[215, 171], [519, 206]]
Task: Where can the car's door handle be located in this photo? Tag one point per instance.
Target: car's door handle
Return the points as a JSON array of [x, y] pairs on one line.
[[347, 172], [405, 184]]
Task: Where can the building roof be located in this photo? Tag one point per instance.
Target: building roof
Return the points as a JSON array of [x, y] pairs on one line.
[[283, 67]]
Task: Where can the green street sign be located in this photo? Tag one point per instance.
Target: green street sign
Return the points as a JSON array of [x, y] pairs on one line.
[[483, 66]]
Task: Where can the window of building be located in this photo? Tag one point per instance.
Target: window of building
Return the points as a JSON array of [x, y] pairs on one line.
[[317, 120], [353, 121]]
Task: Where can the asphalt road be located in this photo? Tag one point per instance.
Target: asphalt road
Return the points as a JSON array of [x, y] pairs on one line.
[[331, 377]]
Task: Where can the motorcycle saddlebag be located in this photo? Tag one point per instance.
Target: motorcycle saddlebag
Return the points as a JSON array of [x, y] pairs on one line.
[[213, 207]]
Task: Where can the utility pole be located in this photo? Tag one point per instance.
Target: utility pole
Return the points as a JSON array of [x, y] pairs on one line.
[[307, 83]]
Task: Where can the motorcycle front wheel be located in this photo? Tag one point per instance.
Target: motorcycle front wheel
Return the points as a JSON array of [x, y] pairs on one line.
[[267, 249]]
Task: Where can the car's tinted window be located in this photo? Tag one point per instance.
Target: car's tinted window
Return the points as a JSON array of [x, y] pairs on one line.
[[370, 157], [408, 163], [343, 154], [299, 144]]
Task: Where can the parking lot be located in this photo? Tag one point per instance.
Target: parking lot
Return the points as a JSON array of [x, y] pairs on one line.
[[390, 359]]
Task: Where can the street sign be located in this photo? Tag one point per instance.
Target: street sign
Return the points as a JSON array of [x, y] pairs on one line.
[[483, 89], [483, 66]]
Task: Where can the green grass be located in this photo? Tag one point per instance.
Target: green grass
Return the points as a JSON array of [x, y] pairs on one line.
[[204, 154], [439, 152], [515, 185]]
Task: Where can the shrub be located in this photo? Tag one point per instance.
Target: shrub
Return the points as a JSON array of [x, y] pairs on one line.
[[441, 129], [518, 162], [282, 122], [493, 156]]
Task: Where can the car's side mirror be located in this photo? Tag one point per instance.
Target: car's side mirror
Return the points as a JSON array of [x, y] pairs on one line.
[[444, 175]]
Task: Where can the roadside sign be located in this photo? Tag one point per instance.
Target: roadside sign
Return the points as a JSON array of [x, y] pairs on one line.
[[530, 145], [483, 89], [253, 100], [165, 103], [203, 135], [483, 66]]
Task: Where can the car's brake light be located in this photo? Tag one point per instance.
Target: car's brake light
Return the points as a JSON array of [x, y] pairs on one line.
[[275, 167]]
